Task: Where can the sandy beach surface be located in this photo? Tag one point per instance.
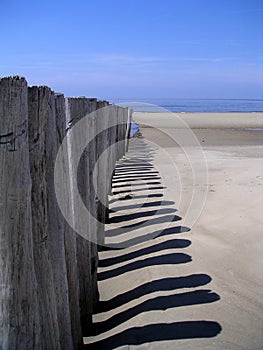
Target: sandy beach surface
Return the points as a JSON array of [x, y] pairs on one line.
[[186, 229]]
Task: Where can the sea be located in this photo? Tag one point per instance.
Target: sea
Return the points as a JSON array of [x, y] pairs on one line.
[[180, 105]]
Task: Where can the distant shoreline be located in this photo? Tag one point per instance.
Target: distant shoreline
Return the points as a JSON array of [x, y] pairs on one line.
[[204, 112], [246, 121], [193, 105]]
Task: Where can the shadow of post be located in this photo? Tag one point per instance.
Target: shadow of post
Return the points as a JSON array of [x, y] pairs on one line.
[[159, 332], [164, 251]]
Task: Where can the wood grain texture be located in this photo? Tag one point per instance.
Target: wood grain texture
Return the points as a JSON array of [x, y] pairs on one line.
[[48, 272], [18, 304]]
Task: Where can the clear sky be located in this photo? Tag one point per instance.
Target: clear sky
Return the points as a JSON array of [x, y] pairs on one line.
[[136, 48]]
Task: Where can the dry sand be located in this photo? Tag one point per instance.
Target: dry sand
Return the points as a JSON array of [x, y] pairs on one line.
[[201, 289]]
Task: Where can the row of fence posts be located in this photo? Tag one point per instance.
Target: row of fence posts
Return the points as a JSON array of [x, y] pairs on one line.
[[48, 272]]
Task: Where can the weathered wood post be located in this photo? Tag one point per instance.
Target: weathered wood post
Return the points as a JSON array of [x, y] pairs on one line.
[[38, 115], [62, 121], [112, 149], [102, 144], [48, 272], [77, 108], [56, 237], [18, 302], [128, 128], [91, 203], [119, 132]]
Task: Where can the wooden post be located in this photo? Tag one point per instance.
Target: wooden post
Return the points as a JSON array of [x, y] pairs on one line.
[[18, 304], [48, 273], [38, 116], [56, 237]]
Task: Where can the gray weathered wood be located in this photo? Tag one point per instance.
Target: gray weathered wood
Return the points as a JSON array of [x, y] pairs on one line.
[[48, 276], [56, 237], [72, 253], [91, 151], [77, 108], [38, 116], [18, 304]]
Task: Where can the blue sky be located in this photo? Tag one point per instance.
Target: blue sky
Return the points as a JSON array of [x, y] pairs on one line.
[[136, 48]]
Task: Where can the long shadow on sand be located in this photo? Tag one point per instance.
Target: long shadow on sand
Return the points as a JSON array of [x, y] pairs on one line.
[[135, 178], [169, 244], [159, 248], [137, 184], [140, 189], [158, 303], [163, 284], [141, 214], [150, 222], [159, 332], [144, 196], [167, 259], [147, 237], [144, 205]]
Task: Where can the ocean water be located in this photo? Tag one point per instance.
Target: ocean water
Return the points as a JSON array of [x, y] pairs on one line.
[[192, 105]]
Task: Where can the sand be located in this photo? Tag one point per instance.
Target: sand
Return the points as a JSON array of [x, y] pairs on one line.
[[188, 217]]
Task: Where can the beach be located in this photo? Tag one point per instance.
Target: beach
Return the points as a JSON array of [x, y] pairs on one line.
[[186, 211]]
